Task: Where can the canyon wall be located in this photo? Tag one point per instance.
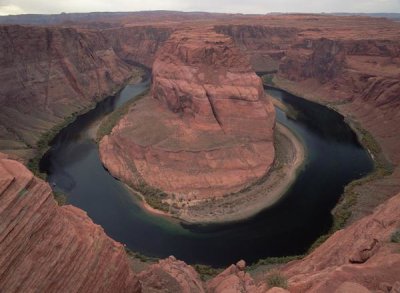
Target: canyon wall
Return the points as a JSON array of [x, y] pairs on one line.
[[206, 131], [351, 64], [49, 74], [47, 248]]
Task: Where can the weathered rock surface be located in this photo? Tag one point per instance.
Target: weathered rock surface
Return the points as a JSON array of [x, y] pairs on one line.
[[207, 131], [49, 74], [171, 275], [47, 248], [233, 279], [361, 253]]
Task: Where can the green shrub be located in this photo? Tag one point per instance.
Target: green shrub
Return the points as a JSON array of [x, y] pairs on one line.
[[268, 79], [139, 256], [60, 198], [108, 123], [276, 279], [395, 238], [22, 192], [154, 196], [206, 272], [275, 260]]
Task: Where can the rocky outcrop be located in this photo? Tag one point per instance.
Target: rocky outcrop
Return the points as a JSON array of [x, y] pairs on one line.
[[233, 279], [47, 248], [207, 131], [362, 254], [171, 275]]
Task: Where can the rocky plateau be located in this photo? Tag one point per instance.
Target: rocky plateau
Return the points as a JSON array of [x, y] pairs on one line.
[[206, 129]]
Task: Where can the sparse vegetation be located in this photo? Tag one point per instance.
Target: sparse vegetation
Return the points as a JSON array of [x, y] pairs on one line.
[[272, 261], [206, 272], [22, 192], [268, 79], [395, 238], [344, 209], [154, 196], [111, 120], [276, 279], [139, 256], [60, 198], [43, 144]]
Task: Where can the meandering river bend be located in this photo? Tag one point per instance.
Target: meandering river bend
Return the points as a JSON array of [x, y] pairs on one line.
[[334, 158]]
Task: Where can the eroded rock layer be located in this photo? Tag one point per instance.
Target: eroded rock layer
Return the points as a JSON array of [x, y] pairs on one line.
[[350, 63], [47, 248], [206, 131], [51, 73]]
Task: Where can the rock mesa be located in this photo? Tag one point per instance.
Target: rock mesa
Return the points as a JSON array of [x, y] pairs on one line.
[[206, 131]]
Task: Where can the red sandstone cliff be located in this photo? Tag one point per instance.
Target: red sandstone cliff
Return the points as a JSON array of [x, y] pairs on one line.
[[47, 248], [352, 63], [207, 131], [49, 74]]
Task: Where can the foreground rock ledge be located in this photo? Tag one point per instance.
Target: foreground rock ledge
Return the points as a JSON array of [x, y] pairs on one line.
[[47, 248], [207, 128]]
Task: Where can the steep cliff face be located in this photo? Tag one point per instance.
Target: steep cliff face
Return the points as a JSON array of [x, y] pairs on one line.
[[47, 248], [49, 74], [207, 131], [137, 44], [350, 63]]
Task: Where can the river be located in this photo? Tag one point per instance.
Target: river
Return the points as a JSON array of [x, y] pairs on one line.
[[334, 158]]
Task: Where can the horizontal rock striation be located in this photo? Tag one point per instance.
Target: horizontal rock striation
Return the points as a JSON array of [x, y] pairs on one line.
[[207, 131], [350, 63], [51, 73]]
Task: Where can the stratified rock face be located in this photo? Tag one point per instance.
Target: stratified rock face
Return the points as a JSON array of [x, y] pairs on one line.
[[207, 131], [362, 253], [352, 63], [137, 44], [47, 248], [48, 74]]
